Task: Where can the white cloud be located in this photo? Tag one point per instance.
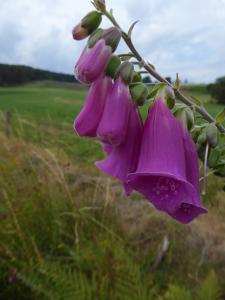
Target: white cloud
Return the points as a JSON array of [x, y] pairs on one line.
[[177, 36]]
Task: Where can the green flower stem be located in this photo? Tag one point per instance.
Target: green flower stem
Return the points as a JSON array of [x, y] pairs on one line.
[[148, 67], [205, 169]]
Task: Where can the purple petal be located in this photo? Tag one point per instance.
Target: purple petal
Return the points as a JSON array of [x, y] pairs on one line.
[[163, 176], [112, 129], [107, 148], [187, 211], [87, 121], [93, 62], [124, 158]]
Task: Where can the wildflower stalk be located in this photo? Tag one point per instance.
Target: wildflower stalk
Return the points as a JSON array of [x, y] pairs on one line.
[[150, 69], [205, 169]]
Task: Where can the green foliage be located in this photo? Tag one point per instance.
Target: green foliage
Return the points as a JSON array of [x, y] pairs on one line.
[[52, 280], [64, 231], [177, 293], [209, 289]]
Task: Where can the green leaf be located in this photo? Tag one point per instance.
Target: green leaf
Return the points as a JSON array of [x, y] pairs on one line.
[[177, 83], [131, 29], [155, 90], [126, 56], [177, 293], [197, 101], [210, 288], [220, 117]]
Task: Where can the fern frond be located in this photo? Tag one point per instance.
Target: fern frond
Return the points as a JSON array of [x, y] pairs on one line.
[[51, 280], [210, 288], [175, 292]]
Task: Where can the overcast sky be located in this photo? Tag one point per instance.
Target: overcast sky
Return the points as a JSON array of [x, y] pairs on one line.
[[185, 36]]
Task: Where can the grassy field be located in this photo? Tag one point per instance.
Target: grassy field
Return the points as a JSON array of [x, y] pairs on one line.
[[51, 108], [68, 232]]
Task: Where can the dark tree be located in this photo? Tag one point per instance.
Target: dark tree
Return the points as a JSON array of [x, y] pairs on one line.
[[217, 89], [169, 79], [147, 79], [17, 74]]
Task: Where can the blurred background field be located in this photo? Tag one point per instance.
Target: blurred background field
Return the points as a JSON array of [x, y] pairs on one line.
[[68, 232]]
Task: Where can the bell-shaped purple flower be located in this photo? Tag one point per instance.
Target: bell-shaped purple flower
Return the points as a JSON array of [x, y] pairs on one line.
[[192, 175], [93, 62], [107, 148], [112, 129], [124, 158], [86, 123], [167, 174]]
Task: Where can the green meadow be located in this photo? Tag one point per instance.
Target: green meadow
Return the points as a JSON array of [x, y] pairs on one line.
[[68, 232]]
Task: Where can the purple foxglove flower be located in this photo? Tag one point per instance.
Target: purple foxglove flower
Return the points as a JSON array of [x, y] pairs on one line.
[[112, 129], [93, 62], [107, 148], [167, 173], [124, 158], [86, 123], [192, 175]]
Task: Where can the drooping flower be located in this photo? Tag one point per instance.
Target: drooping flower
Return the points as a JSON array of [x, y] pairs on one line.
[[167, 173], [124, 158], [192, 175], [93, 62], [112, 129], [86, 123], [107, 148]]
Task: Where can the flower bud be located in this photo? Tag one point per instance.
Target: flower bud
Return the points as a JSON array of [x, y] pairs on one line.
[[195, 133], [87, 25], [136, 77], [91, 21], [212, 135], [167, 93], [170, 96], [113, 66], [112, 37], [79, 33], [92, 62], [126, 71], [95, 37], [139, 93], [100, 5], [186, 116], [202, 138]]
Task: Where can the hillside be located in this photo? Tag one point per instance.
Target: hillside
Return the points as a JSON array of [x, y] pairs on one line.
[[18, 74]]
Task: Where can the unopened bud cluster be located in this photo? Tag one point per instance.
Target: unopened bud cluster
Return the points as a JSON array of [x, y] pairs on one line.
[[98, 56]]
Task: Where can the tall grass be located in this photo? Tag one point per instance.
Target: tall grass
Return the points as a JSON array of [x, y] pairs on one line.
[[68, 232]]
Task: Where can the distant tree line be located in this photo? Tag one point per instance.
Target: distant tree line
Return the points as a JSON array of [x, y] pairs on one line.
[[18, 74], [217, 89]]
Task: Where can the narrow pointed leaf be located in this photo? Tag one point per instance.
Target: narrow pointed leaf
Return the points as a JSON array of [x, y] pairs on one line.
[[131, 28], [197, 101], [177, 83], [155, 90], [220, 117]]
